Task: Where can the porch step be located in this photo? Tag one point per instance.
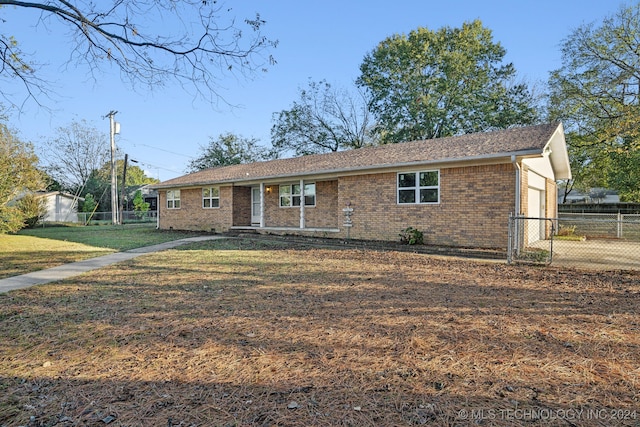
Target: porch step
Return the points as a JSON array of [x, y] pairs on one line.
[[238, 232]]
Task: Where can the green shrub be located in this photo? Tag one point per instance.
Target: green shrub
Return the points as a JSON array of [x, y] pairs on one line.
[[32, 210], [140, 207], [412, 236]]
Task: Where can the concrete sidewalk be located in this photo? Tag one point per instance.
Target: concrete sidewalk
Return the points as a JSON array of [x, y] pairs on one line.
[[76, 268]]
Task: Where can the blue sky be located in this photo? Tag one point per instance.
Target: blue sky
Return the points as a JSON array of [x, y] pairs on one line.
[[165, 128]]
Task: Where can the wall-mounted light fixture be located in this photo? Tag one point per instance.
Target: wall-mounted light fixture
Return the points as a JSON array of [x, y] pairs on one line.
[[268, 189]]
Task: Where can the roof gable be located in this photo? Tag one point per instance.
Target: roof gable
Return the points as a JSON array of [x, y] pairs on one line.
[[522, 141]]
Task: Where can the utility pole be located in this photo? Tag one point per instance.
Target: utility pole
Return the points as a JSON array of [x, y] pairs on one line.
[[123, 188], [114, 183]]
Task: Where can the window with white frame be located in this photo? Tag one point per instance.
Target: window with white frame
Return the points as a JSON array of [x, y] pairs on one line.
[[290, 195], [173, 199], [211, 197], [419, 187]]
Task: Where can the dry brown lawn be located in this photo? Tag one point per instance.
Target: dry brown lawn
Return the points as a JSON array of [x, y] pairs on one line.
[[251, 333]]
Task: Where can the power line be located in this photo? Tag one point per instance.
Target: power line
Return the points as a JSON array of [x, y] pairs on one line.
[[135, 144], [149, 165]]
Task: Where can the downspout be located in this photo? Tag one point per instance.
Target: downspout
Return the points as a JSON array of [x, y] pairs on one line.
[[516, 236], [518, 172]]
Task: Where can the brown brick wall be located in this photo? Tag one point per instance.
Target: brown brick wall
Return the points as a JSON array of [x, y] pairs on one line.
[[192, 216], [322, 215], [274, 215], [524, 190], [475, 203], [551, 191]]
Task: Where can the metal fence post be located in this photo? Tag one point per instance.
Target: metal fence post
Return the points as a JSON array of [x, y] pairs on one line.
[[620, 219]]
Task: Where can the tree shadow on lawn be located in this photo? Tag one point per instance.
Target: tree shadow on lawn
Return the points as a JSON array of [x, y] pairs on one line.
[[17, 263], [319, 337]]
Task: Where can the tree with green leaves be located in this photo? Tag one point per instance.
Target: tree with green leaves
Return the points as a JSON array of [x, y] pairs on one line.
[[19, 175], [32, 209], [89, 205], [140, 207], [150, 42], [584, 170], [98, 185], [99, 182], [135, 175], [596, 93], [229, 149], [430, 84], [324, 119]]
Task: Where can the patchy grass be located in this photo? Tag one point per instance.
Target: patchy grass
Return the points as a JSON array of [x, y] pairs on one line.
[[20, 254], [570, 238], [244, 333], [40, 248], [115, 237]]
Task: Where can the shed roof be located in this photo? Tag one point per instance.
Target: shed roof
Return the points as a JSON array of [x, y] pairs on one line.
[[527, 141]]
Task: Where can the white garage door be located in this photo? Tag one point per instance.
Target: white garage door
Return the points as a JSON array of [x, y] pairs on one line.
[[535, 229]]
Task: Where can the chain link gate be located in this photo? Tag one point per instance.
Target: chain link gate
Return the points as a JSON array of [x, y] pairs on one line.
[[530, 240]]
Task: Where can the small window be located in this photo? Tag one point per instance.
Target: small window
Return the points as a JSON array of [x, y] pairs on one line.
[[419, 187], [310, 194], [211, 197], [285, 196], [290, 195], [173, 199]]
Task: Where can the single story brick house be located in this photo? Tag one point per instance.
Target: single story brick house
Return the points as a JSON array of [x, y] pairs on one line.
[[458, 190]]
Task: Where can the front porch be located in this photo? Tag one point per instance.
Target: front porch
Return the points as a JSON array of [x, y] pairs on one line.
[[286, 230], [301, 207]]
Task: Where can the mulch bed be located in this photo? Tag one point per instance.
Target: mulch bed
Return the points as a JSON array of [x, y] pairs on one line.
[[261, 332]]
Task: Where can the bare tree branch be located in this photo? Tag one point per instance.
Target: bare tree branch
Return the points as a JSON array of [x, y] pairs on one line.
[[193, 42]]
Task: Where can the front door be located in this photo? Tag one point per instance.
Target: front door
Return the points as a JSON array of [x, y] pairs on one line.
[[256, 206]]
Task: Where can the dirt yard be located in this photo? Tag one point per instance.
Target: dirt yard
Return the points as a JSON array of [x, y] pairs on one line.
[[243, 333]]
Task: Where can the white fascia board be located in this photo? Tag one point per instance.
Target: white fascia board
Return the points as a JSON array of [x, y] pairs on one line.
[[556, 149]]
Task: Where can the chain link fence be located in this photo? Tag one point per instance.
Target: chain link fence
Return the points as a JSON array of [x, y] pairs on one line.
[[128, 217], [530, 240], [602, 241]]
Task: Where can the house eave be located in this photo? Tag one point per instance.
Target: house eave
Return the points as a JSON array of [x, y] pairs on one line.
[[495, 158]]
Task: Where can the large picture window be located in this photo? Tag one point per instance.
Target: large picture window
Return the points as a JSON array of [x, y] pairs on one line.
[[290, 195], [173, 199], [419, 187], [211, 197]]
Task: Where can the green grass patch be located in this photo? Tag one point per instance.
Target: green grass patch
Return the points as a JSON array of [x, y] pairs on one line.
[[24, 254], [571, 238], [116, 237], [40, 248]]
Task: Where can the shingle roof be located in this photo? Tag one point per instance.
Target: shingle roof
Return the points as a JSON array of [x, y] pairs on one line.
[[528, 140]]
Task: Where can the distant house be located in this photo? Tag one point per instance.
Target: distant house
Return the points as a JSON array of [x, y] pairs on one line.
[[458, 190], [61, 207], [596, 195], [150, 196]]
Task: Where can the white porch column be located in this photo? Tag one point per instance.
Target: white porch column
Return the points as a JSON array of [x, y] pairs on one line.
[[302, 222], [261, 204]]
